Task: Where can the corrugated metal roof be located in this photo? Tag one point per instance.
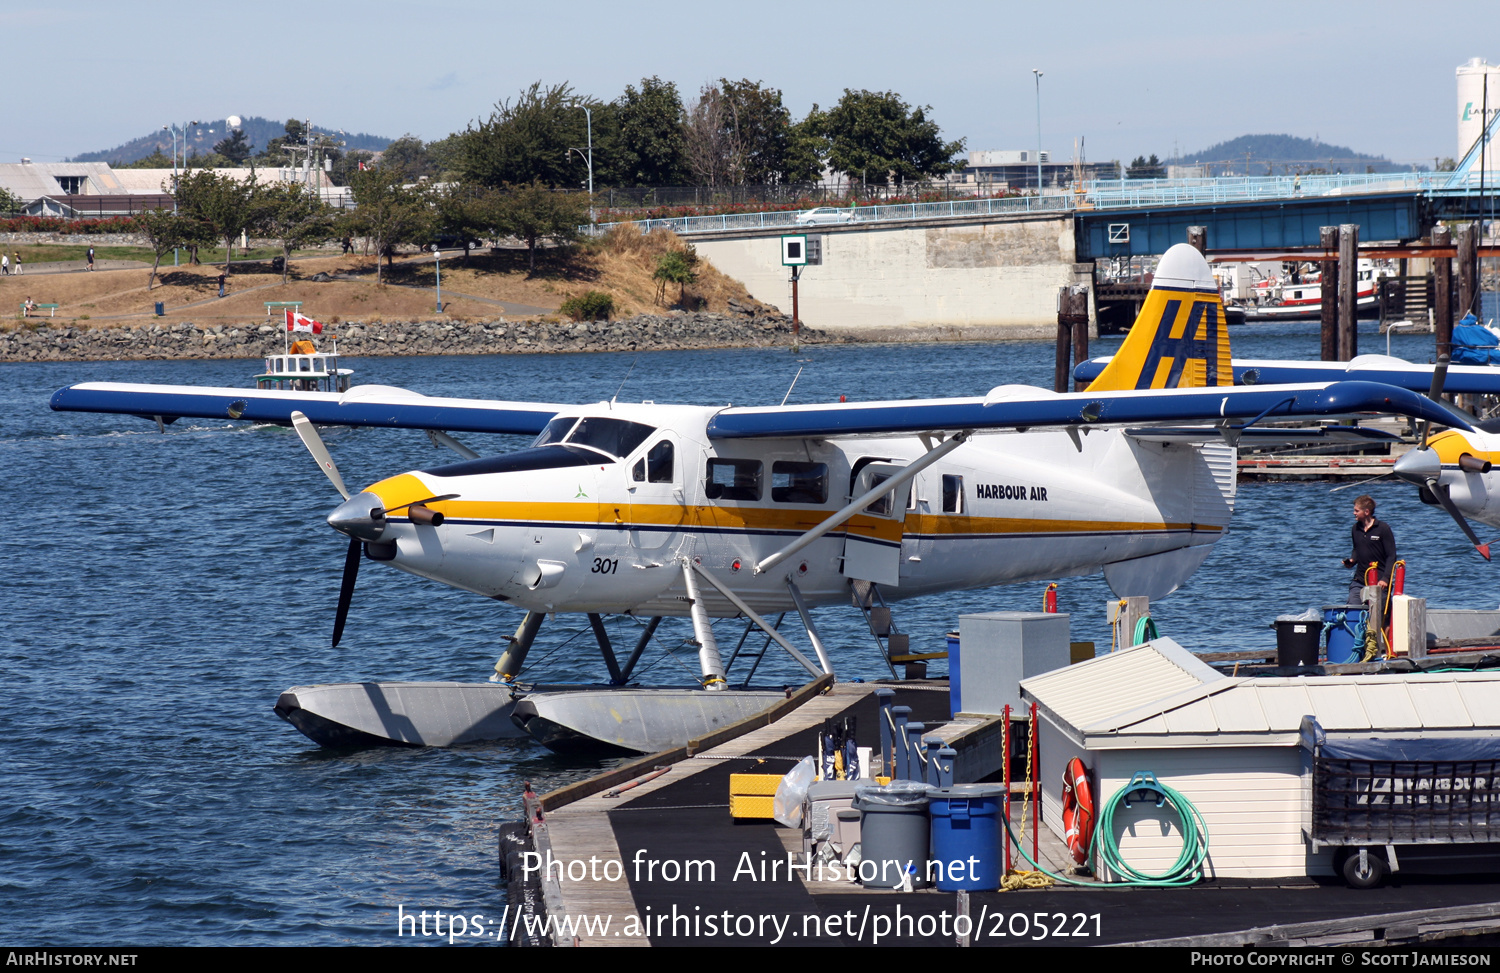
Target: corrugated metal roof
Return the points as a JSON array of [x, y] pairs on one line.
[[1119, 682], [1148, 696], [31, 180]]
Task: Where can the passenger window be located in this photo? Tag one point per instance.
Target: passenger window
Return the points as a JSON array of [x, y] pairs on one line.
[[659, 463], [953, 494], [638, 471], [799, 482], [733, 479]]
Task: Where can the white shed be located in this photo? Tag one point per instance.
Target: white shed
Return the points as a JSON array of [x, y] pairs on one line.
[[1230, 745]]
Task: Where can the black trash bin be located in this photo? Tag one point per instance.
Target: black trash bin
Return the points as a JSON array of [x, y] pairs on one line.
[[1298, 641], [161, 308]]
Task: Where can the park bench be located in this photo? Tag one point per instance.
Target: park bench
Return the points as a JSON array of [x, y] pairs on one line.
[[50, 308], [273, 306]]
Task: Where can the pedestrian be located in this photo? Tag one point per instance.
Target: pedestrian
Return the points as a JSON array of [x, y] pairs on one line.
[[4, 265], [27, 306], [223, 280], [91, 258], [15, 262], [1374, 543]]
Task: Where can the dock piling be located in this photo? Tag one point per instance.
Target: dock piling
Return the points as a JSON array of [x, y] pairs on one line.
[[1467, 242], [1442, 283], [1348, 290], [1328, 237]]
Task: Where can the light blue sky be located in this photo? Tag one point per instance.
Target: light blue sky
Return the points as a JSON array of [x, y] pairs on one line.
[[1133, 78]]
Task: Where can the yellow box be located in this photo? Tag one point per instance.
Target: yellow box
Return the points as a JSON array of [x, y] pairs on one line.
[[751, 785], [744, 806]]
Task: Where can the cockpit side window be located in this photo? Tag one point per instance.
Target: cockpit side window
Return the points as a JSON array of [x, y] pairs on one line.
[[659, 462]]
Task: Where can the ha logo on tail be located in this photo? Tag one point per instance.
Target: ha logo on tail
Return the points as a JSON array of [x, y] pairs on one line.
[[1179, 339]]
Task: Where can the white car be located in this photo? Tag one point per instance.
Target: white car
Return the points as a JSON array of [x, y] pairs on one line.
[[825, 214]]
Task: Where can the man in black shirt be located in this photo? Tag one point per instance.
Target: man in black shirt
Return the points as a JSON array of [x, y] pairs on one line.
[[1373, 542]]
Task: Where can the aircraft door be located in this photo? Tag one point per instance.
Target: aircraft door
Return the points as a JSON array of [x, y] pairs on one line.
[[657, 505], [872, 537]]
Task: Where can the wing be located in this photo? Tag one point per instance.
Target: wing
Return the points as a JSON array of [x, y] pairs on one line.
[[1012, 407], [364, 405], [1470, 379]]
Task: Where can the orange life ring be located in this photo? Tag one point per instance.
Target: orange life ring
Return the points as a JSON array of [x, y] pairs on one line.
[[1078, 810]]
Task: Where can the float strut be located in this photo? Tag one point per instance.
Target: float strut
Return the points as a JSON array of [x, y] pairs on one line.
[[514, 657]]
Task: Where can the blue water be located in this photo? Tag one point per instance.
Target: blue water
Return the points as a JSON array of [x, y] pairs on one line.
[[161, 591]]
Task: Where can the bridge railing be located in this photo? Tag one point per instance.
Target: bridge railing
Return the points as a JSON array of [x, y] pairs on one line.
[[1101, 194], [883, 213], [1127, 193]]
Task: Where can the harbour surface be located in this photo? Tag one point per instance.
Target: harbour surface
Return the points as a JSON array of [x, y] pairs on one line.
[[162, 590]]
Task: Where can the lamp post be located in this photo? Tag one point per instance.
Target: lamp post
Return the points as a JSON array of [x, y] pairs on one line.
[[437, 263], [588, 116], [173, 129], [1038, 130]]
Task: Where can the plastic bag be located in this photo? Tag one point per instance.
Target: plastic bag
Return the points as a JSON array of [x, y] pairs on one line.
[[791, 793]]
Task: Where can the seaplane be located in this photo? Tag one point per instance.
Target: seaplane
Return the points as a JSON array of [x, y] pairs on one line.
[[713, 512], [1453, 467]]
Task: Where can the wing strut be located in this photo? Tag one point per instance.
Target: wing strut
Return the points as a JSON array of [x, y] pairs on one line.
[[864, 500]]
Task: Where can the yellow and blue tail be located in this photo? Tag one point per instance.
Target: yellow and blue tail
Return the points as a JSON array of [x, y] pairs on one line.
[[1179, 340]]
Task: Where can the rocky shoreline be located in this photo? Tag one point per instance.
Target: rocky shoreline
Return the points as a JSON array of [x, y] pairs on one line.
[[36, 340]]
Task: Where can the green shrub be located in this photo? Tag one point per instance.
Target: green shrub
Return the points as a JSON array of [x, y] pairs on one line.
[[591, 306]]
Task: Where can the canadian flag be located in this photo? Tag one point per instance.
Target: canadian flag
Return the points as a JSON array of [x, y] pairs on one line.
[[295, 321]]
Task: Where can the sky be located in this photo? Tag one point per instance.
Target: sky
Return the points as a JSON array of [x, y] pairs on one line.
[[1127, 78]]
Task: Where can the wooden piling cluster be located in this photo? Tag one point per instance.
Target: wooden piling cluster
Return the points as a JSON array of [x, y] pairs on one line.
[[1072, 334], [1453, 250]]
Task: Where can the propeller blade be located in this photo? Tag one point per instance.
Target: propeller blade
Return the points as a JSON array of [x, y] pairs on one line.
[[1435, 393], [1441, 493], [314, 444], [1350, 486], [346, 589]]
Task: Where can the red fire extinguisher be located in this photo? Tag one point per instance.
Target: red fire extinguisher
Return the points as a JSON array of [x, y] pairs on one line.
[[1049, 600]]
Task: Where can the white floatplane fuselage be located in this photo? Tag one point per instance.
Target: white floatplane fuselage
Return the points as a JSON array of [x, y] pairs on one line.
[[600, 517]]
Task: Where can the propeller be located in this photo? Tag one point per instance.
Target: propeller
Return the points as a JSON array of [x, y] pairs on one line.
[[1423, 468], [314, 443]]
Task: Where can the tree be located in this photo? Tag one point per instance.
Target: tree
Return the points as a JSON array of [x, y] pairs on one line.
[[156, 160], [651, 144], [348, 163], [877, 134], [739, 132], [675, 267], [236, 148], [1142, 168], [164, 231], [533, 213], [408, 156], [296, 217], [226, 206], [9, 201], [463, 211], [527, 141], [386, 211]]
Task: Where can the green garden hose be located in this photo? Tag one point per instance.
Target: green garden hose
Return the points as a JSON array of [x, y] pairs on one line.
[[1145, 630], [1189, 865]]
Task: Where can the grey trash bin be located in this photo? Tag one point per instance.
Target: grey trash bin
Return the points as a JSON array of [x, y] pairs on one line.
[[894, 834]]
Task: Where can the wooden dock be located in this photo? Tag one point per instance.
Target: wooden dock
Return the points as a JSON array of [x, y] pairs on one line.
[[648, 854]]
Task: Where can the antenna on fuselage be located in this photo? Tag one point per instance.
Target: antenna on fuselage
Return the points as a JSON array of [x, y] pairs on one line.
[[626, 378]]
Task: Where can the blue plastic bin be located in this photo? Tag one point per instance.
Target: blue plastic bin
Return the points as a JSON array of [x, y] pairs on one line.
[[1346, 632], [966, 842]]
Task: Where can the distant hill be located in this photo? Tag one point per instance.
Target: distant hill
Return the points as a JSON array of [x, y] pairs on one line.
[[201, 139], [1285, 152]]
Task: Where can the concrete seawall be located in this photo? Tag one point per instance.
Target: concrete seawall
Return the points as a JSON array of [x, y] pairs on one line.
[[987, 277]]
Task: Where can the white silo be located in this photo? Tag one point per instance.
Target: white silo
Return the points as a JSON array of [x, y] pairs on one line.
[[1473, 78]]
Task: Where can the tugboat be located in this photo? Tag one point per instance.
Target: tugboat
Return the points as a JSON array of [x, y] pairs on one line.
[[301, 367]]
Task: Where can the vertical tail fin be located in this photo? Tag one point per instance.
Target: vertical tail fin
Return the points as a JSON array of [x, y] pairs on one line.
[[1179, 339]]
